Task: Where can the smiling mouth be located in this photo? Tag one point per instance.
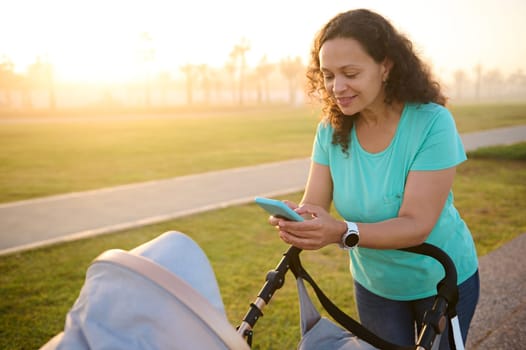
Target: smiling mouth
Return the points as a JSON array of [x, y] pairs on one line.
[[344, 101]]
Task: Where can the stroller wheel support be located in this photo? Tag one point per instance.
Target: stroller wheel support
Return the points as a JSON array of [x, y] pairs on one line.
[[274, 281], [434, 322]]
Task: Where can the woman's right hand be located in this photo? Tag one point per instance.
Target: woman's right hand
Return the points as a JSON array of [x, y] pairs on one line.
[[318, 230], [274, 221]]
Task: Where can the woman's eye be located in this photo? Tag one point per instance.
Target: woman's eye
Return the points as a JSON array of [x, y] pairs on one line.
[[351, 76]]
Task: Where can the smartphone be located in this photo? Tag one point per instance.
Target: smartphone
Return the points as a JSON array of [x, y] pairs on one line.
[[278, 208]]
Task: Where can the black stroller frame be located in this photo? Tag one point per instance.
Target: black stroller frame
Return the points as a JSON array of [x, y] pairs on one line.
[[435, 319]]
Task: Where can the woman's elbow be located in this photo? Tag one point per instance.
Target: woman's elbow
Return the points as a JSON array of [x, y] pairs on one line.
[[421, 231], [419, 238]]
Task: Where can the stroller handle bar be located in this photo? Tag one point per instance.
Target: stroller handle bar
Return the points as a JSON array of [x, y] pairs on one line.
[[434, 320], [445, 303], [450, 278]]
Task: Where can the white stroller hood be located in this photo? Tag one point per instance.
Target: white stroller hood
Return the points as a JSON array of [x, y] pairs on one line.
[[160, 295]]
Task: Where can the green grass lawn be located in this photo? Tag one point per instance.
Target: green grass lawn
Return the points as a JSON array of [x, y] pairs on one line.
[[488, 116], [82, 152], [38, 287], [44, 158]]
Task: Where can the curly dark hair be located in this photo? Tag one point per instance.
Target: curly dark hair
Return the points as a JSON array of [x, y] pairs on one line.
[[409, 78]]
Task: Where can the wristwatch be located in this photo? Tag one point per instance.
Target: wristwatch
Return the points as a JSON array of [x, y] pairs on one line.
[[351, 237]]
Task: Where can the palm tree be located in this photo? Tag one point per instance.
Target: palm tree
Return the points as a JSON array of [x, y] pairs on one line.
[[189, 70], [517, 82], [460, 79], [263, 71], [7, 79], [237, 56], [206, 84], [164, 79], [40, 75], [230, 68], [493, 82], [478, 81], [49, 83], [291, 69], [147, 57]]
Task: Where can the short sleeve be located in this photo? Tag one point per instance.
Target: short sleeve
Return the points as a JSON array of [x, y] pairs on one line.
[[442, 146], [322, 141]]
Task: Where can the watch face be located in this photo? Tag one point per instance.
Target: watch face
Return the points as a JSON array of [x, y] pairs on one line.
[[352, 239]]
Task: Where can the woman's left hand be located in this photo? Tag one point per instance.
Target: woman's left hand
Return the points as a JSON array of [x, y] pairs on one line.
[[312, 234]]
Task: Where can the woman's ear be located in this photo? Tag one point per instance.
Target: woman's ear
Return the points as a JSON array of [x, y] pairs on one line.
[[387, 65]]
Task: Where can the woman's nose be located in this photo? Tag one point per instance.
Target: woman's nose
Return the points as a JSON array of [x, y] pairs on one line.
[[338, 85]]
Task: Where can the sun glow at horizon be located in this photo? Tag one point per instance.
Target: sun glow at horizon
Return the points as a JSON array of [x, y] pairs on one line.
[[100, 41]]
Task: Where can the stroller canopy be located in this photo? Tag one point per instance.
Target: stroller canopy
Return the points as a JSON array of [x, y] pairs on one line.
[[160, 295]]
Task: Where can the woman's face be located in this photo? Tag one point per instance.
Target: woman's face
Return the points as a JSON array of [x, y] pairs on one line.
[[351, 76]]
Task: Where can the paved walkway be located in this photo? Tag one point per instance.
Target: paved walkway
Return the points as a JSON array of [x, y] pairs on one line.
[[499, 320], [33, 223]]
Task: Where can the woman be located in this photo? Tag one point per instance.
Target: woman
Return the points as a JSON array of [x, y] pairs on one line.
[[385, 154]]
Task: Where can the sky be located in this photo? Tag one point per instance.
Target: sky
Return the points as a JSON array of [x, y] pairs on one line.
[[99, 40]]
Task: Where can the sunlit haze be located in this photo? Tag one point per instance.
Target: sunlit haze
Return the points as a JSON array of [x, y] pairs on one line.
[[102, 40]]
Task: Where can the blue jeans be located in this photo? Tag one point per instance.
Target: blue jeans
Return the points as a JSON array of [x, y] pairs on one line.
[[399, 321]]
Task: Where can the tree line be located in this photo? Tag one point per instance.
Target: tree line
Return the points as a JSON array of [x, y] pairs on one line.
[[234, 83], [482, 84]]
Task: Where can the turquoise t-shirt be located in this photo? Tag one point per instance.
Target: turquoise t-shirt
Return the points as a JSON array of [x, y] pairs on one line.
[[369, 187]]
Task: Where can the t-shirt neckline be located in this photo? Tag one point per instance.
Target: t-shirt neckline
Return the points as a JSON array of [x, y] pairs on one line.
[[356, 142]]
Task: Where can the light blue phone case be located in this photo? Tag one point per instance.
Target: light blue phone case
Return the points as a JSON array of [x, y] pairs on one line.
[[278, 208]]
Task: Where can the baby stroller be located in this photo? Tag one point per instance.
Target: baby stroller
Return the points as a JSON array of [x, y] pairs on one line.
[[164, 295]]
